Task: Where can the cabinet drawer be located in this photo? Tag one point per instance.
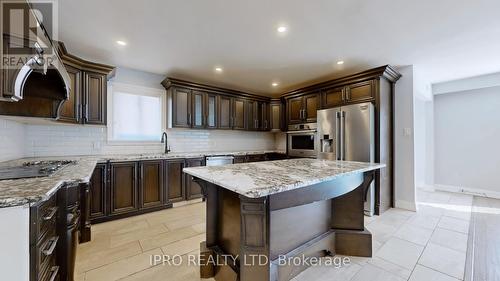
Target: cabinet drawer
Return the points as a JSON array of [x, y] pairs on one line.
[[52, 274], [43, 219]]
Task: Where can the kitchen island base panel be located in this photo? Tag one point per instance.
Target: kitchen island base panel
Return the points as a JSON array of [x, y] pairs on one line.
[[306, 222]]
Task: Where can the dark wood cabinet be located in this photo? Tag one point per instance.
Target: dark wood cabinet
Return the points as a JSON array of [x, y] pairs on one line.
[[239, 159], [198, 109], [151, 182], [71, 108], [94, 98], [275, 118], [193, 189], [98, 190], [225, 112], [333, 97], [262, 112], [181, 107], [360, 92], [354, 93], [239, 114], [123, 188], [252, 115], [255, 158], [175, 180], [302, 109]]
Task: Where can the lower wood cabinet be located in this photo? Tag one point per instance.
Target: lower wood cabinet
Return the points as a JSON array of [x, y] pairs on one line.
[[151, 183], [98, 196], [175, 180], [123, 188], [193, 189]]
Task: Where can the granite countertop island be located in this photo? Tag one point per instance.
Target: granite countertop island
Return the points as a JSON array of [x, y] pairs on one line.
[[19, 192], [281, 211], [260, 179]]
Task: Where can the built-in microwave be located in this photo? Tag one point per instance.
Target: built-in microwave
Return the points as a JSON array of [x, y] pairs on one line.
[[302, 140]]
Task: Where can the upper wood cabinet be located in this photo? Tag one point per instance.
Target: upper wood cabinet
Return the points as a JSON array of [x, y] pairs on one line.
[[302, 109], [225, 112], [353, 93], [181, 107], [240, 114], [275, 118], [205, 107], [88, 93]]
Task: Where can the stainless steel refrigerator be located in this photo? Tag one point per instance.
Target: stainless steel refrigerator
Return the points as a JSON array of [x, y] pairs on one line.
[[348, 133]]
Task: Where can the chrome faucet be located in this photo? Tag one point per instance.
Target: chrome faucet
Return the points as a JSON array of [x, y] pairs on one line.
[[164, 139]]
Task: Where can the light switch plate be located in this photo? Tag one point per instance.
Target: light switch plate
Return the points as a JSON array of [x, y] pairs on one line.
[[407, 132]]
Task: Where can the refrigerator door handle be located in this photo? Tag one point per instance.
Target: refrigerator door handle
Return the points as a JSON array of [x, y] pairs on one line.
[[343, 135], [338, 136]]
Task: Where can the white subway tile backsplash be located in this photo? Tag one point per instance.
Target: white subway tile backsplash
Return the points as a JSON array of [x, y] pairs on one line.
[[11, 140]]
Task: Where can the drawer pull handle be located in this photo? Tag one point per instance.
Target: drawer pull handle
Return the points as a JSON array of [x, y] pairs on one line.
[[51, 215], [53, 243], [55, 271]]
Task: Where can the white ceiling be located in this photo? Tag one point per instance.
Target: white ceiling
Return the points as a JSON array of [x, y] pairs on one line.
[[443, 39]]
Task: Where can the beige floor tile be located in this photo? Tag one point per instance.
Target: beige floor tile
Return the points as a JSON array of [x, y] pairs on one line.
[[184, 246], [443, 259], [166, 238], [414, 234], [343, 273], [127, 237], [98, 243], [381, 231], [183, 272], [422, 273], [424, 221], [463, 213], [200, 228], [120, 226], [400, 252], [393, 218], [92, 260], [184, 222], [454, 224], [451, 239], [373, 273], [122, 268], [391, 267]]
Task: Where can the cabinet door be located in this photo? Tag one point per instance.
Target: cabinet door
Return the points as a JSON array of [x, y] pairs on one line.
[[256, 158], [333, 97], [193, 189], [275, 120], [239, 159], [123, 188], [294, 110], [198, 109], [240, 118], [98, 196], [251, 115], [151, 184], [262, 116], [311, 106], [175, 180], [71, 108], [225, 112], [360, 92], [94, 88], [181, 108], [211, 111]]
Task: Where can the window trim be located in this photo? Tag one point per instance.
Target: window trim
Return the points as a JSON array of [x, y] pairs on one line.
[[140, 91]]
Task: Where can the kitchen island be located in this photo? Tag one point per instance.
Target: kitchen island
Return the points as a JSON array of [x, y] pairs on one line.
[[262, 216]]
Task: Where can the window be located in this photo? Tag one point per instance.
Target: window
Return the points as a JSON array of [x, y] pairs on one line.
[[136, 113]]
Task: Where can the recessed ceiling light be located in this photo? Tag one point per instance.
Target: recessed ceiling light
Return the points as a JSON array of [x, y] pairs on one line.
[[121, 43], [340, 62], [274, 84], [218, 69], [282, 29]]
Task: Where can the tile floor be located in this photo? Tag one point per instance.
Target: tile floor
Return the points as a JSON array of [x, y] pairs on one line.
[[428, 245]]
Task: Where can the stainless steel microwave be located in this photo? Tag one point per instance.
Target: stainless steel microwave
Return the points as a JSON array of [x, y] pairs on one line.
[[303, 143]]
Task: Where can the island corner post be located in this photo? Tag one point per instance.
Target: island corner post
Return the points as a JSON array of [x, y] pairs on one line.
[[251, 239]]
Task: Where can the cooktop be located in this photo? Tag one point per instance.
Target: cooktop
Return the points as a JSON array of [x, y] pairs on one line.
[[33, 169]]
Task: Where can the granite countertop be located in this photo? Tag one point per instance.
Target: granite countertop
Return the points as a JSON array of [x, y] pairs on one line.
[[20, 192], [261, 179]]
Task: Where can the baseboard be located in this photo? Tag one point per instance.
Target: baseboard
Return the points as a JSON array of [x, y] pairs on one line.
[[468, 190], [407, 205], [426, 187]]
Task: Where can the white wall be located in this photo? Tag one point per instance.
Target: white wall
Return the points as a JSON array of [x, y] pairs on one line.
[[467, 134], [404, 159], [11, 140]]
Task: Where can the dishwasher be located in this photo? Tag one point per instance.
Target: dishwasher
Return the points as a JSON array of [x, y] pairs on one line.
[[219, 160]]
